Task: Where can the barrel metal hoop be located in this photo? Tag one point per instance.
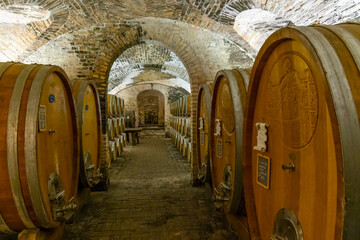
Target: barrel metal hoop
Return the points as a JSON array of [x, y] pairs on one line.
[[12, 145], [31, 146], [345, 113], [3, 226], [239, 119]]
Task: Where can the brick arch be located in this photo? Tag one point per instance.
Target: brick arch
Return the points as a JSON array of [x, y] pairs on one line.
[[118, 44]]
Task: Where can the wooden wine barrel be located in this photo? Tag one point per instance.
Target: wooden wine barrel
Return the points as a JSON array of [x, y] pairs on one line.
[[130, 119], [180, 125], [113, 151], [173, 108], [124, 139], [122, 103], [177, 124], [189, 152], [110, 129], [121, 123], [118, 146], [186, 146], [187, 105], [180, 111], [203, 115], [116, 126], [118, 106], [304, 90], [227, 109], [89, 119], [182, 105], [39, 146], [111, 105]]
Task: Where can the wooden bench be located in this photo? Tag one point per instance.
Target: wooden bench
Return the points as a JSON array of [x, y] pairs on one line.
[[132, 134]]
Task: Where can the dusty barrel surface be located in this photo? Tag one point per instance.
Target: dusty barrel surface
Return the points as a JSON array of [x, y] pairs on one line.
[[187, 105], [302, 135], [113, 151], [116, 126], [89, 119], [111, 105], [110, 129], [118, 106], [227, 109], [39, 147], [122, 106], [203, 115]]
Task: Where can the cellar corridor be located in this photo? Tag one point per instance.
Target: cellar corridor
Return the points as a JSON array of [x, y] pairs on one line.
[[150, 197]]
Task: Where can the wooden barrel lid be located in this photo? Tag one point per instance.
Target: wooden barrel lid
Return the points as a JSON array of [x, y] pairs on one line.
[[305, 88], [42, 141], [227, 110], [89, 116], [111, 129], [203, 115]]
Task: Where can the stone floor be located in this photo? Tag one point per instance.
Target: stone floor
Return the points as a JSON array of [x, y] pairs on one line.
[[150, 197]]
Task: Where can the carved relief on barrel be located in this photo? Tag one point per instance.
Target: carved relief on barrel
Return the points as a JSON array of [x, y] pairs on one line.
[[301, 135], [227, 109]]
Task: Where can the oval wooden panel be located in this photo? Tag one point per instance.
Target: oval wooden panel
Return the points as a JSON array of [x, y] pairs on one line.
[[55, 151], [204, 113], [297, 86], [226, 155], [88, 106]]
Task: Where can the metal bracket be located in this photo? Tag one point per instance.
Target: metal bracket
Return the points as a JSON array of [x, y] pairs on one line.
[[201, 123], [202, 172], [61, 210], [217, 128], [290, 168], [92, 175], [287, 226], [222, 197], [261, 137]]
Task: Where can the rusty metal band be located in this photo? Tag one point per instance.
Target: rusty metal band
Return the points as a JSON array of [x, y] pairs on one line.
[[347, 120], [3, 226], [12, 145], [31, 147], [237, 192]]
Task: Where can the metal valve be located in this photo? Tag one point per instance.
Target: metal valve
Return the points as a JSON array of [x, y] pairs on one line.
[[67, 208], [52, 131], [290, 168]]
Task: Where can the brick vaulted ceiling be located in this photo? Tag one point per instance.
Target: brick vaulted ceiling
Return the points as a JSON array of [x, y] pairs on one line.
[[86, 37]]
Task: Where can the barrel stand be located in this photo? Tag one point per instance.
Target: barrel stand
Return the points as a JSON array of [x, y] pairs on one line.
[[57, 233], [37, 234], [239, 225]]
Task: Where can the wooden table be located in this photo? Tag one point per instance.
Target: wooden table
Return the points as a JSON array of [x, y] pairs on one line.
[[131, 134]]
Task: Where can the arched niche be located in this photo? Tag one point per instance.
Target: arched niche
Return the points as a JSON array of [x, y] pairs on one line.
[[151, 105]]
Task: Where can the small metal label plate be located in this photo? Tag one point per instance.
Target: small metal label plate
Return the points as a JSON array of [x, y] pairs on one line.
[[51, 98], [263, 171], [219, 148], [42, 118], [202, 138]]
